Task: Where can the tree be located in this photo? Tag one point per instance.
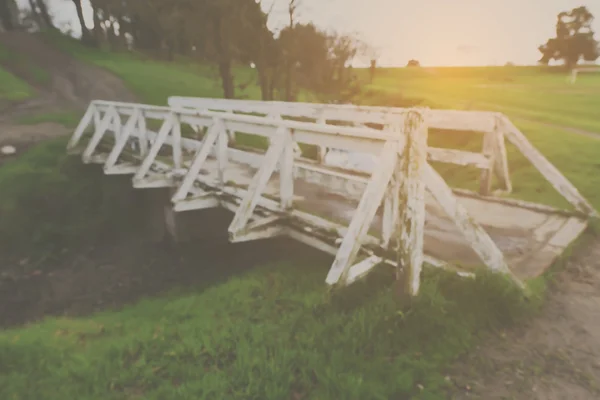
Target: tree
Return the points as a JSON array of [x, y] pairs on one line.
[[574, 39], [9, 18], [85, 33], [413, 63]]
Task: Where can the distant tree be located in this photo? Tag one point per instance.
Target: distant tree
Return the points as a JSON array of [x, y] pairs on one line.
[[574, 39], [9, 19], [413, 63], [85, 33], [372, 70]]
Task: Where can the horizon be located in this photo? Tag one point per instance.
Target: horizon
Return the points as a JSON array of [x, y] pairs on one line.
[[458, 40]]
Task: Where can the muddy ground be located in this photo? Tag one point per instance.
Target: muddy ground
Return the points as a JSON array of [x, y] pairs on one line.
[[555, 356]]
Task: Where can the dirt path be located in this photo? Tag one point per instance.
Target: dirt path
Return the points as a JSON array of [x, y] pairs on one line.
[[554, 357], [72, 84]]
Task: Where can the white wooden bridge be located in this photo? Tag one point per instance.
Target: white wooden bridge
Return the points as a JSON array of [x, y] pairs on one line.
[[369, 197]]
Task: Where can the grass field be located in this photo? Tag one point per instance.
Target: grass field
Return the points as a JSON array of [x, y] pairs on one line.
[[273, 332], [534, 93]]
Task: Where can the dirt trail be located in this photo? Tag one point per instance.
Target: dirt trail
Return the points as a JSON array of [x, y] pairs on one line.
[[554, 357], [72, 84]]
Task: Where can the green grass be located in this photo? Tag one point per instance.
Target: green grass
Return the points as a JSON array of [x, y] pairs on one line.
[[37, 74], [13, 88], [154, 81], [67, 118], [273, 332], [534, 93]]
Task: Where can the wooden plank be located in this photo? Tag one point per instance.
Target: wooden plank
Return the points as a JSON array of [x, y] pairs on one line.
[[197, 203], [154, 149], [223, 156], [85, 121], [362, 268], [176, 141], [258, 183], [367, 207], [262, 228], [209, 140], [478, 238], [286, 174], [410, 230], [500, 156], [459, 157], [97, 137], [120, 143], [549, 171], [488, 150]]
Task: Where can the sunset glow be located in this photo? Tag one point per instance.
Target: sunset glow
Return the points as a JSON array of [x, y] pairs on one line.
[[435, 32]]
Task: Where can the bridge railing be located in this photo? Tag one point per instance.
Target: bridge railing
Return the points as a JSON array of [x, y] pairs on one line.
[[398, 182], [491, 160]]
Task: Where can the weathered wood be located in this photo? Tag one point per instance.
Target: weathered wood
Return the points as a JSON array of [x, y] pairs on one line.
[[362, 268], [458, 157], [258, 183], [87, 118], [209, 140], [549, 171], [223, 156], [154, 149], [364, 214], [262, 228], [120, 143], [410, 230], [99, 132], [481, 242], [176, 141], [485, 180], [500, 156], [286, 178], [262, 204]]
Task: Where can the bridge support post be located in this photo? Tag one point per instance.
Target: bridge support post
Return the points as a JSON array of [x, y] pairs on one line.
[[410, 230]]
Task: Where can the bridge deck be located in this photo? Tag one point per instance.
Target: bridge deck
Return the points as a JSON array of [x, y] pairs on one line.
[[530, 240]]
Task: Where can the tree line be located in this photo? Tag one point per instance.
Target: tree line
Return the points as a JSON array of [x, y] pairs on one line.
[[225, 33]]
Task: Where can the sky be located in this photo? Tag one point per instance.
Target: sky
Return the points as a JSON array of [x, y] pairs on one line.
[[435, 32]]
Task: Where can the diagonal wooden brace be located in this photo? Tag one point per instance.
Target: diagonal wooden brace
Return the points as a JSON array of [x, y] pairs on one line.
[[121, 142], [259, 182], [209, 140], [158, 143], [364, 214], [98, 135]]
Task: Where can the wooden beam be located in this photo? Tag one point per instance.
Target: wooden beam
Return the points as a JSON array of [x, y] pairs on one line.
[[500, 156], [488, 150], [286, 172], [459, 157], [258, 183], [364, 214], [549, 171], [153, 152], [117, 149], [81, 127], [262, 228], [97, 137], [201, 155], [477, 237], [410, 228]]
